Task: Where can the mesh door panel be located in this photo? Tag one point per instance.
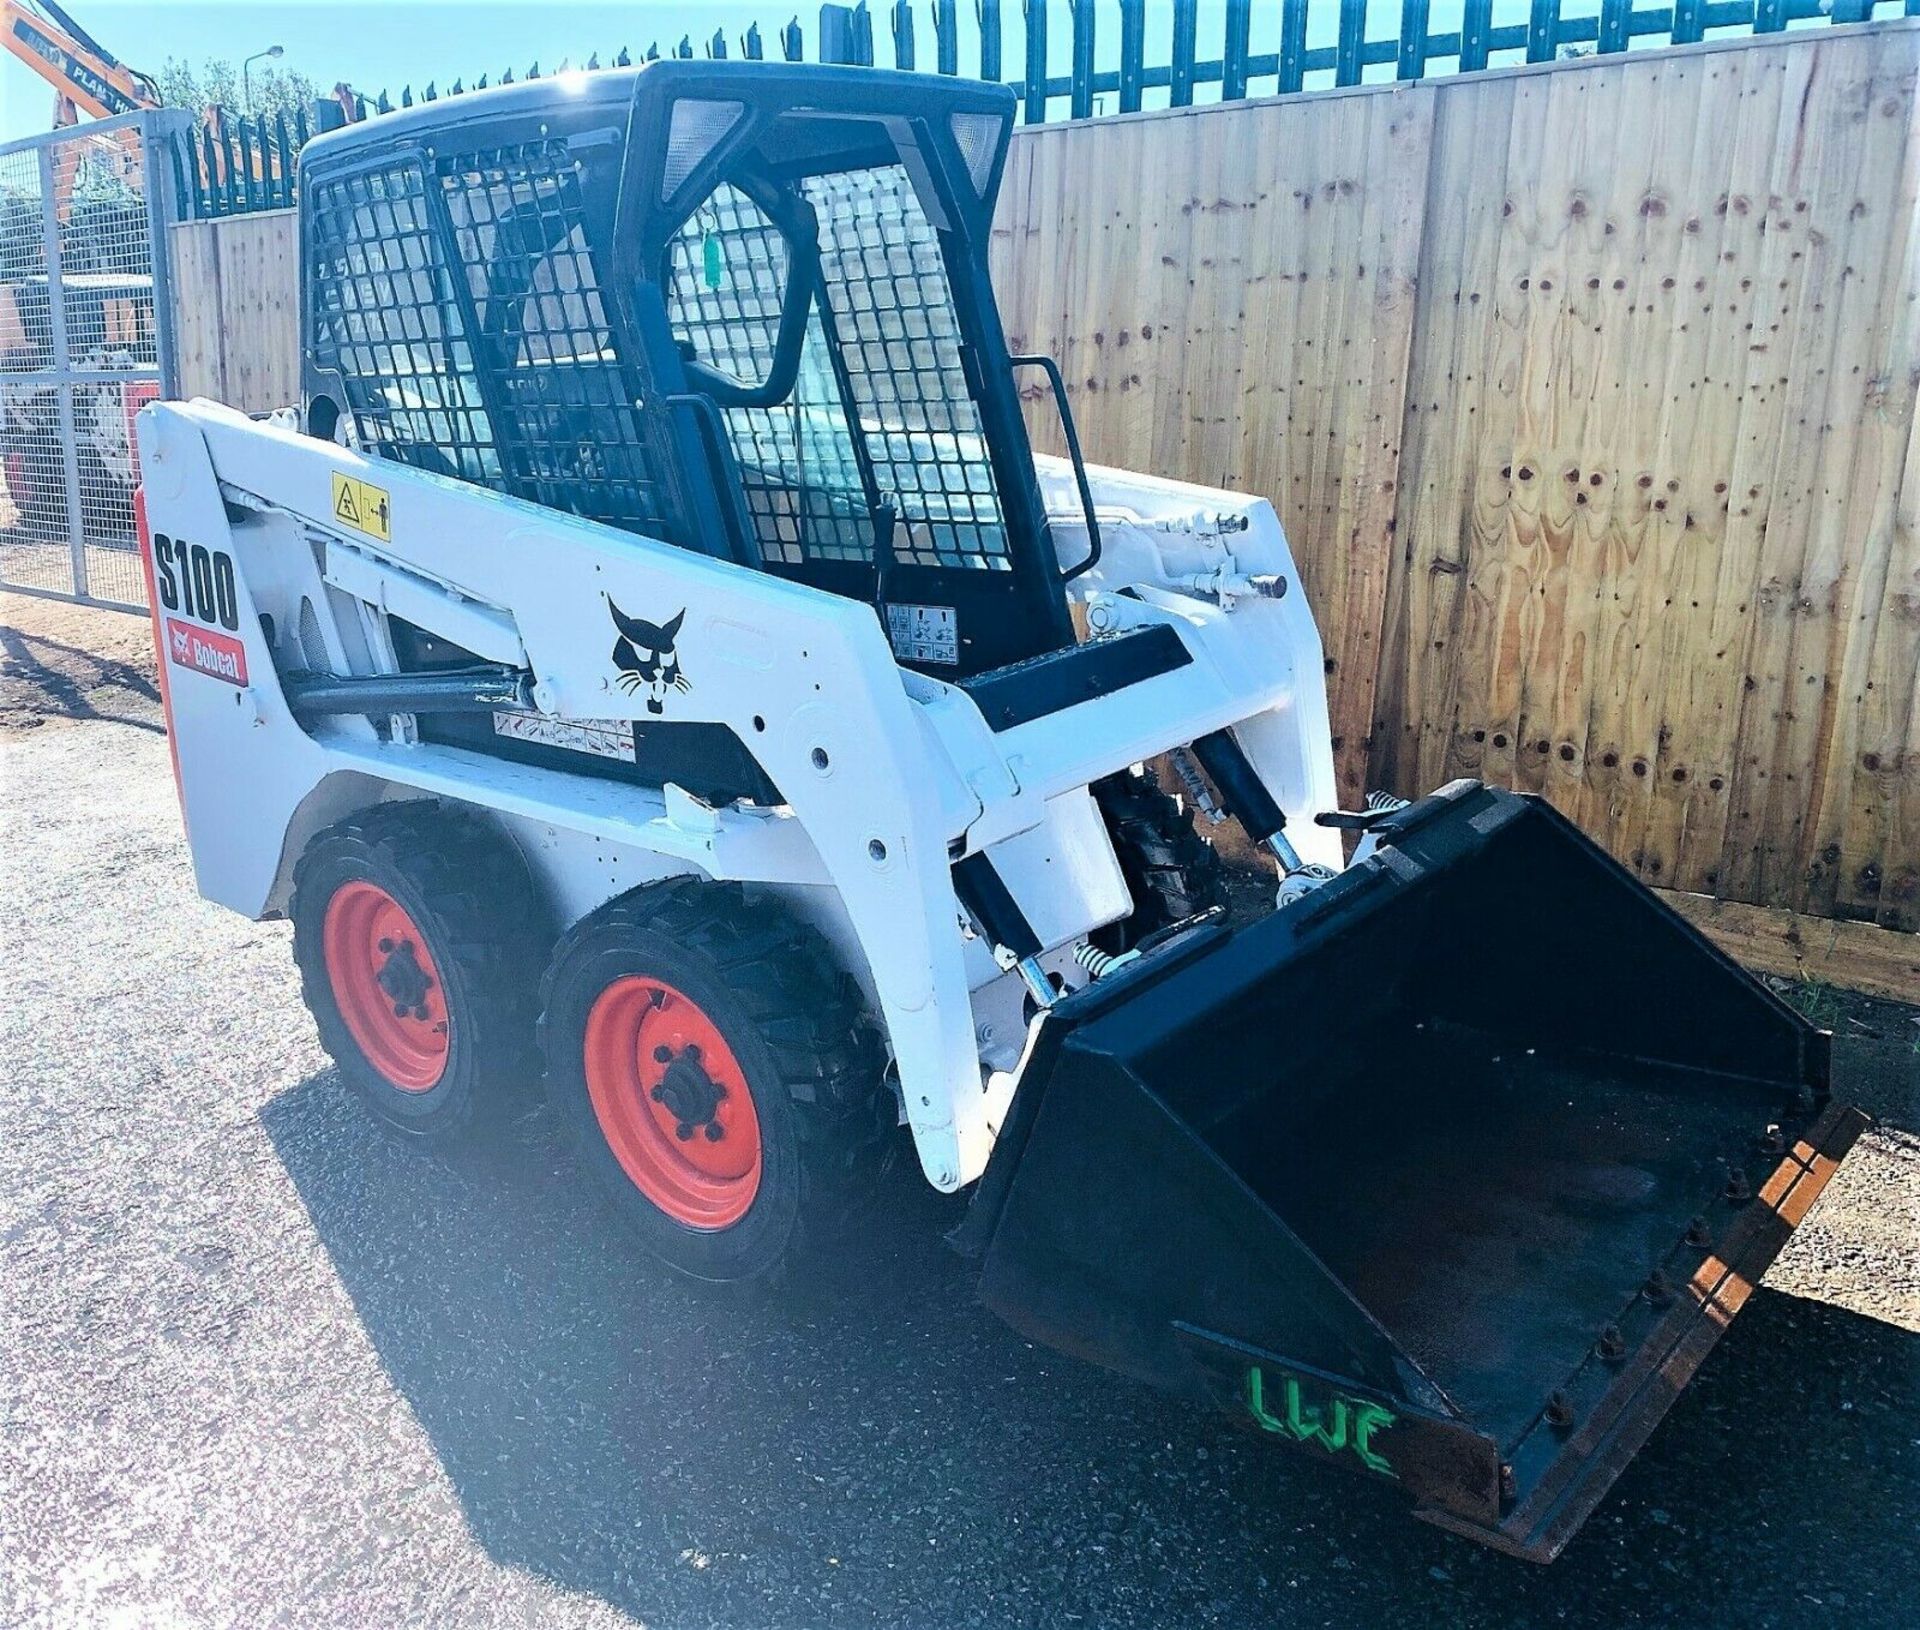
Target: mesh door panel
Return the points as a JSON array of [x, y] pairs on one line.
[[571, 435], [893, 311], [384, 315], [727, 271]]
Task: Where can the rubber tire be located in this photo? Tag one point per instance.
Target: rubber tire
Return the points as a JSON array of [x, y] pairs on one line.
[[796, 1026], [468, 890], [1171, 871]]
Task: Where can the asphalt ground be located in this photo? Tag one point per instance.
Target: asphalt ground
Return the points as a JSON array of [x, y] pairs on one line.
[[261, 1365]]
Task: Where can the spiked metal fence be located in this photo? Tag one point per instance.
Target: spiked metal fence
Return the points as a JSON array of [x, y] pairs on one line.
[[1120, 56]]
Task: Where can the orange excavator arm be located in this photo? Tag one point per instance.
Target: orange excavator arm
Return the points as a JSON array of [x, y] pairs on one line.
[[84, 74]]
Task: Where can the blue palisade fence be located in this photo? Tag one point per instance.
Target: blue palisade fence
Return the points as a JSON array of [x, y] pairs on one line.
[[1113, 56]]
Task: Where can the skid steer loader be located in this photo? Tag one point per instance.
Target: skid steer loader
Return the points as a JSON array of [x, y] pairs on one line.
[[652, 654]]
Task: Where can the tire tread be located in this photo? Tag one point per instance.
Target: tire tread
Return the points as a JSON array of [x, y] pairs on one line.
[[1172, 872], [483, 901], [809, 1013]]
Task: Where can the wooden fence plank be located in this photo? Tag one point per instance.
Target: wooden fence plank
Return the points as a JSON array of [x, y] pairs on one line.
[[236, 309], [1401, 148], [1764, 316], [1433, 607], [1866, 839], [1772, 940], [1863, 440], [1785, 708], [194, 273], [1684, 744]]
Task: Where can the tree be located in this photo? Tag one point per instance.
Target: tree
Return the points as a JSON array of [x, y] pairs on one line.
[[216, 83]]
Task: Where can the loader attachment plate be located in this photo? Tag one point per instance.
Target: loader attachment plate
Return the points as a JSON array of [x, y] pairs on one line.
[[1450, 1173]]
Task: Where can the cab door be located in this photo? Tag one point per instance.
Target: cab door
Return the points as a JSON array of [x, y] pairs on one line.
[[873, 476]]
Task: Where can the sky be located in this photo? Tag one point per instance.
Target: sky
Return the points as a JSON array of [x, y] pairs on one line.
[[391, 43]]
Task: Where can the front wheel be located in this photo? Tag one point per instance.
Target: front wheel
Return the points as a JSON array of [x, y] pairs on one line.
[[717, 1075], [1171, 872]]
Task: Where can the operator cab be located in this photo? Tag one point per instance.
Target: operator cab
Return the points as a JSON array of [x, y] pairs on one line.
[[743, 307]]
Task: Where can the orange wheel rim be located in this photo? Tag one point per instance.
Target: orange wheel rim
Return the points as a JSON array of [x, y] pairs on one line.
[[386, 986], [672, 1103]]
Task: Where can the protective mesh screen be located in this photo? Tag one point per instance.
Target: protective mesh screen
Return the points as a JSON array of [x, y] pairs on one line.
[[383, 313], [899, 337], [570, 436], [34, 536], [79, 357], [727, 271]]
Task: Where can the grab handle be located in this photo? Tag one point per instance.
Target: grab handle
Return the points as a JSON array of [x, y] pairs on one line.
[[1073, 452]]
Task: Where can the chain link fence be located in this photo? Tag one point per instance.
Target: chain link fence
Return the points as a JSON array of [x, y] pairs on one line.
[[85, 342]]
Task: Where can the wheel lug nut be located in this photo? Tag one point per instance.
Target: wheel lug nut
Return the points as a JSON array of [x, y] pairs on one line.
[[386, 945], [399, 1010], [662, 1055], [715, 1131], [683, 1131], [693, 1050], [659, 1095]]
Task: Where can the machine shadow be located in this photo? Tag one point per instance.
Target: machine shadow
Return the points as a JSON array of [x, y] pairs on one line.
[[684, 1455], [62, 678]]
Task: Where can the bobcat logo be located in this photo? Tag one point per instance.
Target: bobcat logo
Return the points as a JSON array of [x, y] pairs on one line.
[[645, 655]]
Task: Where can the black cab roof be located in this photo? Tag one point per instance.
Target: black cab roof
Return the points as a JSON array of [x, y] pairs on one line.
[[583, 98]]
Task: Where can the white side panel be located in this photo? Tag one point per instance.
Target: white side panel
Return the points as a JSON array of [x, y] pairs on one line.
[[244, 765], [806, 681], [1062, 873]]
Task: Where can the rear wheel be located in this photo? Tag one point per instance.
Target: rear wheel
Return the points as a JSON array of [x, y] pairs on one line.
[[414, 928], [1171, 871], [717, 1074]]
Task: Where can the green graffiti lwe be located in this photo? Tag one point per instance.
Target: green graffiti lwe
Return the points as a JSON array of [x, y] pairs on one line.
[[1337, 1424]]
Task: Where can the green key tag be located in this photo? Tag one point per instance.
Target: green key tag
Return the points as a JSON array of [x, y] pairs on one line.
[[714, 261]]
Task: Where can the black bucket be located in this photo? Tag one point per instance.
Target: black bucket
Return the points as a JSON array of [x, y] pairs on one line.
[[1451, 1172]]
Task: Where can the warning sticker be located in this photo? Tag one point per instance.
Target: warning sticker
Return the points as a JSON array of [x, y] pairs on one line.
[[362, 506]]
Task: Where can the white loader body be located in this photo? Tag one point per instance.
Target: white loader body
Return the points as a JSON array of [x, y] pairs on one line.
[[886, 776]]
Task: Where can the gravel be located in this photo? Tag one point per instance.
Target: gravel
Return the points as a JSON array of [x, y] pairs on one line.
[[262, 1365]]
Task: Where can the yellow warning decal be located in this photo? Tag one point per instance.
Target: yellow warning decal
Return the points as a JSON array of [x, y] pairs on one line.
[[362, 506]]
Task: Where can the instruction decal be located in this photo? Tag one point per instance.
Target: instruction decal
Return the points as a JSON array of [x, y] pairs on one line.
[[362, 506], [924, 633], [648, 657]]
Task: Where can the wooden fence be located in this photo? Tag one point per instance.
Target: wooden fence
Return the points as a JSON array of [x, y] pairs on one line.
[[1587, 396], [236, 297]]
